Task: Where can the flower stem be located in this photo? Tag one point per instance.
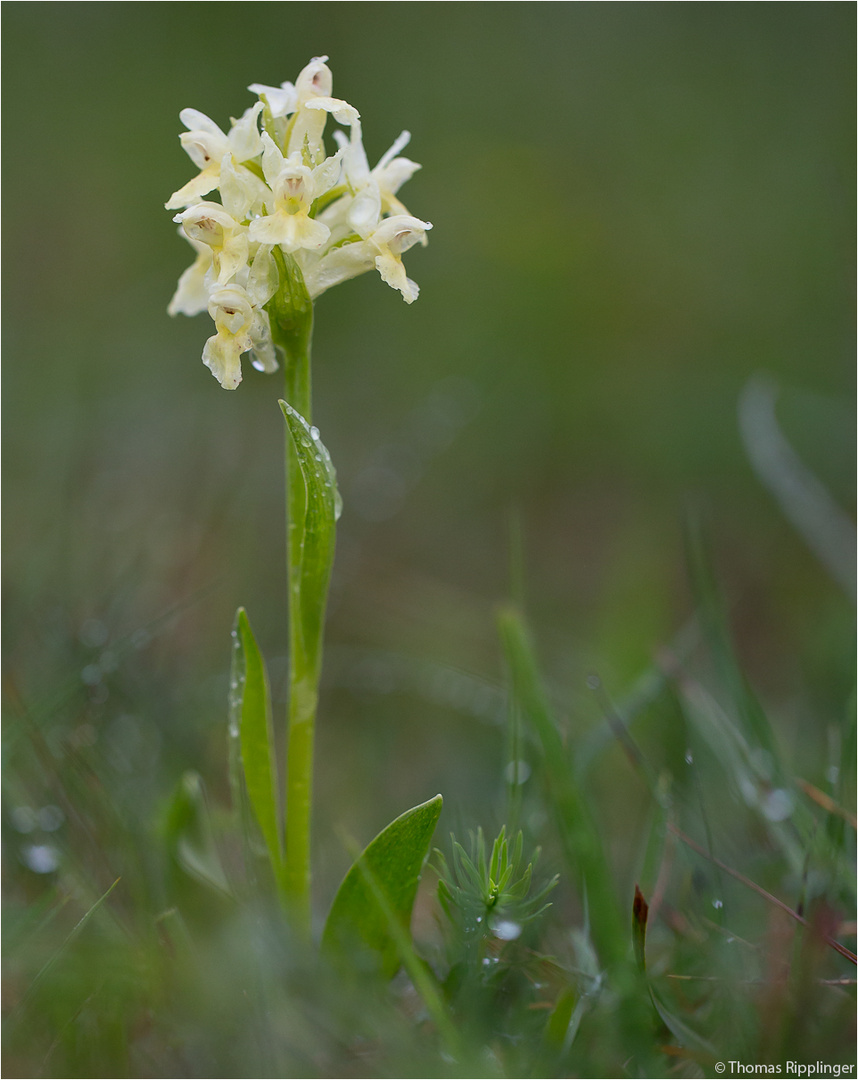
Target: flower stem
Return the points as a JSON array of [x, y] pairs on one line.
[[294, 337], [302, 704]]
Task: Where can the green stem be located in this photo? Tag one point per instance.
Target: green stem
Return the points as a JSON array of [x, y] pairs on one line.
[[302, 706], [294, 337]]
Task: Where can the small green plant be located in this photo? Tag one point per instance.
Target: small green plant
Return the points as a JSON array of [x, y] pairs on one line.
[[485, 897]]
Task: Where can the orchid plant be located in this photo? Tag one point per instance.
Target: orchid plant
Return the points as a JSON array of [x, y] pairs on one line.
[[292, 221], [290, 216]]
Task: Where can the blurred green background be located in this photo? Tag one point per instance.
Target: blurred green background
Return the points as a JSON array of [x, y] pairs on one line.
[[637, 208]]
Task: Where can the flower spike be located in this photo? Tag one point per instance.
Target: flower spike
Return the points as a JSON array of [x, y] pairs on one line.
[[270, 207]]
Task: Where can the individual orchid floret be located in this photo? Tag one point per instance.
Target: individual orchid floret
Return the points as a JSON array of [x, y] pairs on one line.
[[242, 323], [392, 238], [206, 145], [192, 294], [294, 187], [313, 103], [233, 317], [382, 250], [210, 224], [374, 191]]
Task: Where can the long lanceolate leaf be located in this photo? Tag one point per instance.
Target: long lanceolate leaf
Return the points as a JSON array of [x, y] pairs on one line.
[[251, 725]]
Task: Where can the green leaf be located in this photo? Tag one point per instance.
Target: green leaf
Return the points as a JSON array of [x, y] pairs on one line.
[[250, 723], [189, 835], [316, 537], [358, 926]]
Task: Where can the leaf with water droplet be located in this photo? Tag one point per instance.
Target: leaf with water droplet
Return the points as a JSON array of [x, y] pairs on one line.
[[358, 926], [252, 732], [322, 506]]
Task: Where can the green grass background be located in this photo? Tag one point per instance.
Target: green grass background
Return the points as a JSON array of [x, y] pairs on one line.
[[637, 207]]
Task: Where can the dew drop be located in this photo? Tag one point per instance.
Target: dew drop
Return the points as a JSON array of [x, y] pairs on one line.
[[506, 929], [717, 904], [41, 858], [777, 805], [516, 772]]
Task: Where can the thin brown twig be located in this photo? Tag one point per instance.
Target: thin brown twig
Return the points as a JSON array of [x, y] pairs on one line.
[[847, 953], [753, 982], [826, 802]]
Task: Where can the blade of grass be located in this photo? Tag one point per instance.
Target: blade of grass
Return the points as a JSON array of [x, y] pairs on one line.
[[752, 720], [581, 842], [810, 508], [74, 933]]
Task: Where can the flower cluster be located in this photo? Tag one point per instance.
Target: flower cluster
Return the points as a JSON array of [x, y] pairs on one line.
[[287, 210]]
